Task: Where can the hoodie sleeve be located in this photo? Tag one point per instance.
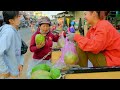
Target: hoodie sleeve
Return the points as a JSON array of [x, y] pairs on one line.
[[6, 39], [94, 45]]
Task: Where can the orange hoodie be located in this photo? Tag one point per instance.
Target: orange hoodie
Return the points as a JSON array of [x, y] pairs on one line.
[[102, 37]]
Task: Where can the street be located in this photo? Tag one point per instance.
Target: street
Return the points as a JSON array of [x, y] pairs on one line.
[[26, 36]]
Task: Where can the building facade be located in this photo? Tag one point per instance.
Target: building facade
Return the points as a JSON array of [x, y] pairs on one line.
[[80, 15]]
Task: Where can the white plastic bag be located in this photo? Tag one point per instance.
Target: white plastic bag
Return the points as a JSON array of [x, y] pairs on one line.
[[61, 41], [35, 62]]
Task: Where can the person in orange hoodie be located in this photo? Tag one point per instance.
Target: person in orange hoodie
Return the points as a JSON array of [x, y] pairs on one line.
[[101, 45]]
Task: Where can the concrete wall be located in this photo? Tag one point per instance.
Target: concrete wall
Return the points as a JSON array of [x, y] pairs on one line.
[[80, 14]]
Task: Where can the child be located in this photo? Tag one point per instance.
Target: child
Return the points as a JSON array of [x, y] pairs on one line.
[[39, 51]]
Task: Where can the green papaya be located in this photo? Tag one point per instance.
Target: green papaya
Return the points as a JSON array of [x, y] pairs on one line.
[[41, 74], [55, 73], [41, 67], [39, 39]]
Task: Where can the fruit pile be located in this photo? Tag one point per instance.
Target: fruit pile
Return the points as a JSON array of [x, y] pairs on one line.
[[43, 71]]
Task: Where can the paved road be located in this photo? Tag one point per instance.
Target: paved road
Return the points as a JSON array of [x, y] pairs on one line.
[[26, 36]]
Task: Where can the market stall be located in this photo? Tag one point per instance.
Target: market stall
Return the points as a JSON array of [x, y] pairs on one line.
[[87, 73]]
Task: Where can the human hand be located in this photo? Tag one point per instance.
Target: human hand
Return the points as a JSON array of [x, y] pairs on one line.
[[61, 33], [20, 68], [70, 36], [40, 45]]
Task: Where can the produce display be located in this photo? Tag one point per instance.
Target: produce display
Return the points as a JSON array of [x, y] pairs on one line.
[[41, 74], [69, 57], [43, 71], [41, 67]]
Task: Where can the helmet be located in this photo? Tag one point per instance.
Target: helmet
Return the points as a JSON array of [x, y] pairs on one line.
[[44, 20]]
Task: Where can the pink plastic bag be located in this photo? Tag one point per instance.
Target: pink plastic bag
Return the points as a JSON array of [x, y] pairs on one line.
[[68, 29], [61, 41], [69, 47]]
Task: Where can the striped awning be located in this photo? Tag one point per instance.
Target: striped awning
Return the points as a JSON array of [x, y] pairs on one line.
[[63, 15]]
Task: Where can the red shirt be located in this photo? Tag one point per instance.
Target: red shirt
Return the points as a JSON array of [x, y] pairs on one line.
[[40, 53], [103, 37]]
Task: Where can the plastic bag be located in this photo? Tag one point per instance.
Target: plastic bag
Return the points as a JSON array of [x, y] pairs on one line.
[[72, 29], [61, 41], [68, 29], [35, 62], [68, 47]]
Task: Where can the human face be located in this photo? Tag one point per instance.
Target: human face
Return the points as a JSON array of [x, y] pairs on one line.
[[90, 16], [16, 21], [44, 28]]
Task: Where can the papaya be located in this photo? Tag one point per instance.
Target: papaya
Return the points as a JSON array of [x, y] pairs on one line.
[[39, 39], [55, 73], [70, 58], [41, 67], [41, 74]]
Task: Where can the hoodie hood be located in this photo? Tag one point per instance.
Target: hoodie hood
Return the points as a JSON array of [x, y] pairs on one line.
[[5, 26]]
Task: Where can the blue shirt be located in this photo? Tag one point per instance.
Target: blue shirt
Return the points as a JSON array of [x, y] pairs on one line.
[[10, 50]]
